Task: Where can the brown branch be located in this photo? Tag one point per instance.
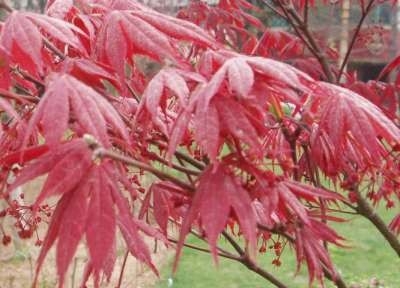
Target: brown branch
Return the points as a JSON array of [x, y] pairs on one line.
[[102, 152], [18, 97], [366, 210], [121, 274], [354, 38], [4, 6], [250, 264], [182, 169], [183, 156], [222, 252], [305, 12], [188, 175], [54, 49], [337, 279], [302, 30], [233, 243], [317, 51]]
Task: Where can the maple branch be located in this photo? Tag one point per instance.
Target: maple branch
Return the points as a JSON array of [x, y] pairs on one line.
[[189, 176], [121, 274], [250, 264], [4, 6], [298, 23], [354, 38], [25, 75], [18, 97], [286, 16], [223, 253], [182, 155], [102, 152], [337, 279], [333, 210], [233, 243], [305, 12], [366, 210], [54, 49], [174, 166], [130, 89], [273, 9]]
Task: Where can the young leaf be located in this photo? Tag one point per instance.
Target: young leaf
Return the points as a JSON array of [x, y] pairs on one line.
[[65, 94], [217, 193]]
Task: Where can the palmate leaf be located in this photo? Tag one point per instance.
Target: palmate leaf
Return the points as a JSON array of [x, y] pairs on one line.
[[351, 128], [126, 33], [207, 129], [89, 72], [59, 8], [309, 247], [282, 200], [91, 204], [22, 38], [217, 194], [220, 103], [155, 93], [66, 165], [65, 95]]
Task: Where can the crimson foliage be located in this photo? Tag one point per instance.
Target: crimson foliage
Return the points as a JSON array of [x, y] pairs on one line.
[[244, 136]]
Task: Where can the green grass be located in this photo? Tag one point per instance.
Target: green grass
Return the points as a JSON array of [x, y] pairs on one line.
[[369, 256]]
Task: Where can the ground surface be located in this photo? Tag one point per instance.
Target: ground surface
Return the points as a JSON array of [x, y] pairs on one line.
[[368, 260]]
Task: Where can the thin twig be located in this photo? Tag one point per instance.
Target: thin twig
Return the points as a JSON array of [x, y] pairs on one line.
[[182, 169], [38, 83], [354, 38], [188, 175], [101, 152], [121, 274], [333, 210], [54, 49], [305, 12], [18, 97], [224, 254], [317, 51], [183, 156]]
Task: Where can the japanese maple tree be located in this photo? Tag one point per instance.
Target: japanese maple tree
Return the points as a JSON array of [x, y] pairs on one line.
[[251, 133]]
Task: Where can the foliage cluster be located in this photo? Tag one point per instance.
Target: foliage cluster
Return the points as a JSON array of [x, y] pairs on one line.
[[239, 130]]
